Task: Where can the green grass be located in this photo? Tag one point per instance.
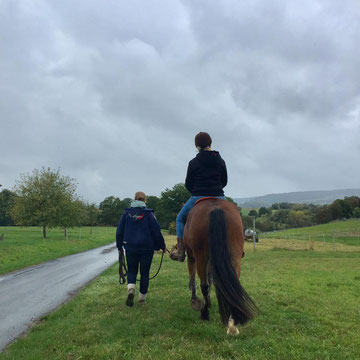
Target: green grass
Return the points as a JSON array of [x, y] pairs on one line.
[[309, 303], [344, 232], [24, 246]]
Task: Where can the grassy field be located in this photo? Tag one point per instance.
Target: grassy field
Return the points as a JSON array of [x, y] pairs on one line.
[[343, 232], [308, 300], [25, 246]]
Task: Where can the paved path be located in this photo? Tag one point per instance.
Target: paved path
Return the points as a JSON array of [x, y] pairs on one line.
[[30, 293]]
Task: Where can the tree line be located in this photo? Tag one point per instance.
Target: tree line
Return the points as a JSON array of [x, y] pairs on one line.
[[48, 199]]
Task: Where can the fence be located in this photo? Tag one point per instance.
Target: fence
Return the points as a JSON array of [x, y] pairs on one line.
[[333, 237], [85, 232]]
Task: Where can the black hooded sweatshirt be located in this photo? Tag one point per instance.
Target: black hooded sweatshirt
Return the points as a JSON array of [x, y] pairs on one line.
[[206, 174]]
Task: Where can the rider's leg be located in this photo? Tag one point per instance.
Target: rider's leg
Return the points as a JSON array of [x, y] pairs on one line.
[[178, 253]]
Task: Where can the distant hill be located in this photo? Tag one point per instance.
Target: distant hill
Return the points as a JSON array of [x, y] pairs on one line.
[[320, 197]]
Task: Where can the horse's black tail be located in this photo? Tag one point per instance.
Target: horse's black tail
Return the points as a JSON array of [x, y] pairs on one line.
[[232, 297]]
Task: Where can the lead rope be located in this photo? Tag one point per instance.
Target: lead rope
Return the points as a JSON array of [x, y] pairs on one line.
[[123, 270]]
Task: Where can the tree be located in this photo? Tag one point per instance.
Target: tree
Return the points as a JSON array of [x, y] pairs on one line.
[[247, 222], [336, 210], [281, 217], [125, 203], [265, 224], [357, 212], [171, 202], [263, 211], [153, 202], [284, 205], [323, 215], [347, 208], [43, 198], [111, 210], [7, 200], [92, 215], [299, 219], [252, 213], [74, 216]]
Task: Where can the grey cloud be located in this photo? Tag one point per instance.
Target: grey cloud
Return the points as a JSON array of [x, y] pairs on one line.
[[113, 92]]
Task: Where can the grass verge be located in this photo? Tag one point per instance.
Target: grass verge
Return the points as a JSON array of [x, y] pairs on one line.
[[24, 246]]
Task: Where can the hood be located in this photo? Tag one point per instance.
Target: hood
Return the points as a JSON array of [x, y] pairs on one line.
[[209, 158], [137, 204]]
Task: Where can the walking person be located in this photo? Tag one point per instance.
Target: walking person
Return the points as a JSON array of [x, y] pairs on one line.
[[206, 176], [139, 233]]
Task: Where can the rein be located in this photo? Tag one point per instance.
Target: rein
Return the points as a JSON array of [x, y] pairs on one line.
[[123, 270]]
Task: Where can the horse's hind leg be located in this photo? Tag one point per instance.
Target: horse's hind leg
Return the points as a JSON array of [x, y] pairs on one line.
[[210, 280], [196, 303], [205, 289]]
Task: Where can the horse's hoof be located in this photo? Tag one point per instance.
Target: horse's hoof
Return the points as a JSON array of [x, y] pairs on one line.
[[197, 304], [232, 329], [205, 314]]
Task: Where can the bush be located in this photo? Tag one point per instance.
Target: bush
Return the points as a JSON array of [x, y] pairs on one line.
[[172, 228], [265, 224], [357, 212]]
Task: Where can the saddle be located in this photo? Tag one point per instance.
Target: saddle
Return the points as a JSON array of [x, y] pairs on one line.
[[206, 198], [197, 201]]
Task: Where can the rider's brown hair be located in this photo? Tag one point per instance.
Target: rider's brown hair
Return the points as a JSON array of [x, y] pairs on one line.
[[203, 140]]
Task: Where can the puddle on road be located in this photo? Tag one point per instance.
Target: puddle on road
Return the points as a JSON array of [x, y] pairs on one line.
[[108, 250]]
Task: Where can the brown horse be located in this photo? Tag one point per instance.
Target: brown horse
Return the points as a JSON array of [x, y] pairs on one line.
[[214, 242]]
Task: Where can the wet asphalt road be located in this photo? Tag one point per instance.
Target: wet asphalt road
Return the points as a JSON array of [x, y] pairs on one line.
[[30, 293]]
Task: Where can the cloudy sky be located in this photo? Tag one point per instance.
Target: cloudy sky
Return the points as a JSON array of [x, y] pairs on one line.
[[113, 92]]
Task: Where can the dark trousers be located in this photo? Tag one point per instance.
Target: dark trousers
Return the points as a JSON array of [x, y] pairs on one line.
[[134, 259]]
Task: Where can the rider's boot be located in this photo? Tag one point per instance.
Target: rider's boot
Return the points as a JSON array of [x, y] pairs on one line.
[[178, 252]]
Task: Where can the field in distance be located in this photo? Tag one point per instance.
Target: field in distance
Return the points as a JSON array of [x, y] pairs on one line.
[[340, 232]]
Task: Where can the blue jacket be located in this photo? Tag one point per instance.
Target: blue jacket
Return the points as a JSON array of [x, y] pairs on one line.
[[138, 229]]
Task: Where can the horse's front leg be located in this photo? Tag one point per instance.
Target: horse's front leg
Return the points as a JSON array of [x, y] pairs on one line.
[[196, 303]]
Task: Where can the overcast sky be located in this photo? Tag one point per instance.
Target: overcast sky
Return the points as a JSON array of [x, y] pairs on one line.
[[113, 92]]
